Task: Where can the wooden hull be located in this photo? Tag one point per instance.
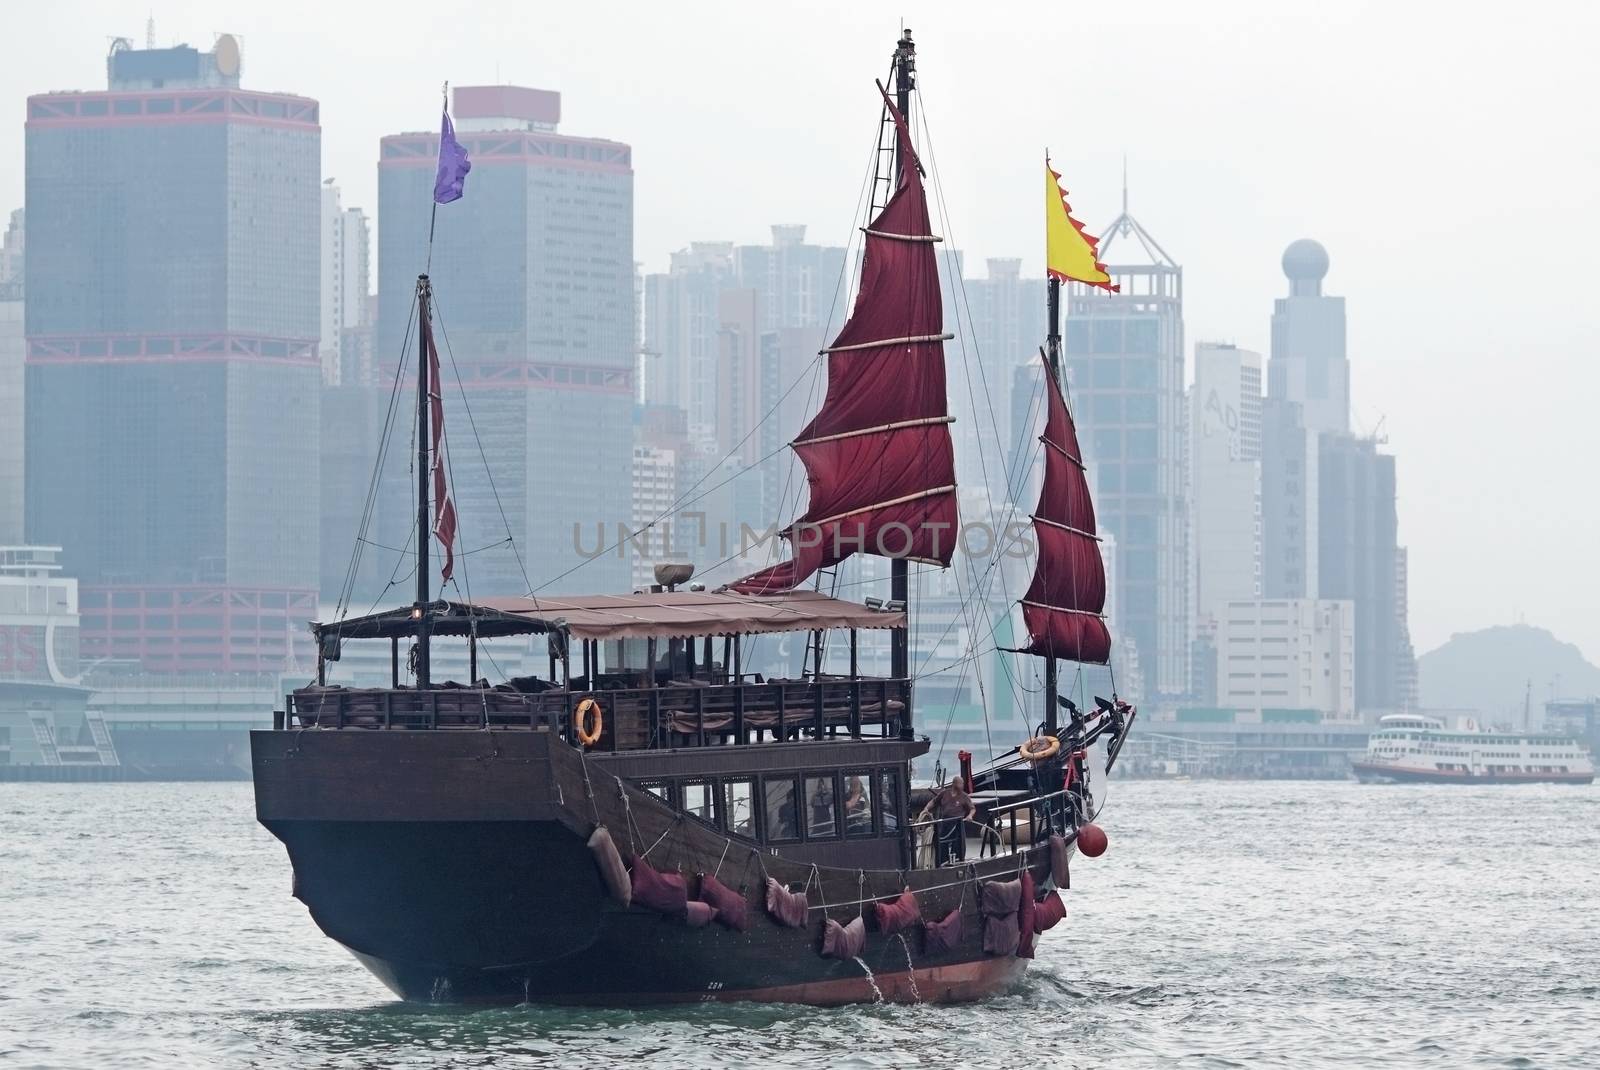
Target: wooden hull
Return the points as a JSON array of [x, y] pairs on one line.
[[454, 865]]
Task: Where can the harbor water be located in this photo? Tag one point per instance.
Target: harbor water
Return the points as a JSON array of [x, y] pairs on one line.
[[1230, 924]]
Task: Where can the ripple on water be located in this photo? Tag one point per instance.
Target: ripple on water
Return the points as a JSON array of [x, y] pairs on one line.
[[1231, 924]]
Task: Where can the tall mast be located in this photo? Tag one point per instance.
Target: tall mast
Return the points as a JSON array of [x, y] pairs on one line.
[[1052, 360], [905, 73], [420, 612]]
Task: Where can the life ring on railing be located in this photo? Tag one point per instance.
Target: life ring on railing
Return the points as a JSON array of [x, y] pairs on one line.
[[1040, 748], [588, 735]]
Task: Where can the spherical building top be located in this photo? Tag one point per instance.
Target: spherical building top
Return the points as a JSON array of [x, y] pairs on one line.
[[1305, 260]]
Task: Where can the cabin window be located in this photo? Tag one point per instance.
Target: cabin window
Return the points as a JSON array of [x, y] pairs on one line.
[[858, 803], [699, 801], [780, 809], [739, 807], [821, 822], [889, 799], [659, 788]]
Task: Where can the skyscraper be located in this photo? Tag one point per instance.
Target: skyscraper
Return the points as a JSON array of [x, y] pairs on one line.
[[1007, 328], [172, 369], [1357, 557], [1225, 479], [534, 298], [346, 281], [1125, 365], [12, 352], [1308, 342]]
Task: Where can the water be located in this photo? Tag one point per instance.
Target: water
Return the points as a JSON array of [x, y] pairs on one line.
[[1229, 924]]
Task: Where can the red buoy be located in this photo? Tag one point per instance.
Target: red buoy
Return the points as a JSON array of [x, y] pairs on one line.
[[1092, 840]]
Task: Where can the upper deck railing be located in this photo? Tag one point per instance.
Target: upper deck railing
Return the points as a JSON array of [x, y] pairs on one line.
[[672, 715]]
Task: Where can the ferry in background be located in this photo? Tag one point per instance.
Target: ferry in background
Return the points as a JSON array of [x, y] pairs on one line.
[[1409, 748]]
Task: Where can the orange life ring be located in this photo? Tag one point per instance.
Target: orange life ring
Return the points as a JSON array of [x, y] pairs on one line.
[[1040, 748], [589, 735]]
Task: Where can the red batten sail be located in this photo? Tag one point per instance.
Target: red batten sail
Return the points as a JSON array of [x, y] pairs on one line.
[[878, 455], [1063, 606], [444, 506]]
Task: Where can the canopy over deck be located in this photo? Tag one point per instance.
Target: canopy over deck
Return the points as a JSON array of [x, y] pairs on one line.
[[668, 614]]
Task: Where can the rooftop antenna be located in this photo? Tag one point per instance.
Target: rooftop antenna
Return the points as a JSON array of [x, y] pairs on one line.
[[150, 31], [1124, 183]]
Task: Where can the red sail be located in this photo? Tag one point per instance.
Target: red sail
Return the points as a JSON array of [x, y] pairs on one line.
[[878, 456], [444, 506], [1063, 606]]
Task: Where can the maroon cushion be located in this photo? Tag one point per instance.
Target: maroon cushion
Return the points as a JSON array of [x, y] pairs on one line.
[[731, 908], [663, 892], [788, 908], [897, 914], [943, 935], [1001, 897], [1058, 861], [1049, 911], [843, 941], [699, 914], [1000, 934], [1025, 917]]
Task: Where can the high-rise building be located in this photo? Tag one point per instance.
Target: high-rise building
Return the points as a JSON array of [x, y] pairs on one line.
[[13, 351], [1007, 313], [682, 320], [799, 284], [1288, 654], [1407, 684], [1289, 502], [346, 281], [532, 272], [1125, 366], [1357, 555], [172, 368], [1308, 342], [1225, 477]]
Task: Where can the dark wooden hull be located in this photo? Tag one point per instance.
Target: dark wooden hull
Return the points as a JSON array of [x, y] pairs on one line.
[[454, 865]]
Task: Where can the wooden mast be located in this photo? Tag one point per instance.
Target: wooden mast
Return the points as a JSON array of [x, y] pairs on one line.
[[905, 66], [1052, 360], [420, 610]]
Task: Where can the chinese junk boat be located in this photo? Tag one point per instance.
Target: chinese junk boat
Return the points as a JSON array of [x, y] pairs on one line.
[[651, 823]]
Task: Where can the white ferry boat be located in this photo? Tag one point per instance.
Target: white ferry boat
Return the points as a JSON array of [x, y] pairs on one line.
[[1409, 748]]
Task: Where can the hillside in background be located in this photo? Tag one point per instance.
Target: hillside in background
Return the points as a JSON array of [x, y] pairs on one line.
[[1489, 670]]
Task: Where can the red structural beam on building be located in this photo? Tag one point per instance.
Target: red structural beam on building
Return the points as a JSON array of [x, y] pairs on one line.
[[545, 375], [161, 107], [511, 147], [148, 348]]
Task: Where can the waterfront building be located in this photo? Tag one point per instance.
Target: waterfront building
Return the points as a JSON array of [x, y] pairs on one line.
[[1289, 654], [172, 365], [534, 297], [1125, 368], [1225, 478]]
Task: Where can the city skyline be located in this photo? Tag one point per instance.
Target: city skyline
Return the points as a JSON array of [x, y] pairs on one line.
[[1403, 217]]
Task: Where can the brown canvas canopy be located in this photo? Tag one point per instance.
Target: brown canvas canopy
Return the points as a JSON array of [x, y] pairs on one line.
[[670, 614]]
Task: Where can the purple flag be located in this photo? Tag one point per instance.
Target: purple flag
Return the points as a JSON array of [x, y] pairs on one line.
[[453, 165]]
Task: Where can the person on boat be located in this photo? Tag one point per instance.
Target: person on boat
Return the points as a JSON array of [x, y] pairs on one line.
[[857, 805], [953, 808]]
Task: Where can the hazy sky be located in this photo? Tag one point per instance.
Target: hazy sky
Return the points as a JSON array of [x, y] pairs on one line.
[[1445, 153]]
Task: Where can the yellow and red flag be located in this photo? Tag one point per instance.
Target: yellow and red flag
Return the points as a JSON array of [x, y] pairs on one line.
[[1069, 250]]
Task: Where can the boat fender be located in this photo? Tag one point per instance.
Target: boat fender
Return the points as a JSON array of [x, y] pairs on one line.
[[1092, 840], [731, 908], [665, 893], [843, 941], [1000, 902], [699, 914], [612, 871], [897, 914], [1059, 873], [786, 907], [1040, 748], [943, 935], [589, 721], [1025, 917], [1049, 912]]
